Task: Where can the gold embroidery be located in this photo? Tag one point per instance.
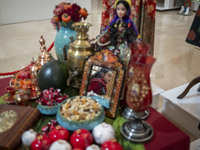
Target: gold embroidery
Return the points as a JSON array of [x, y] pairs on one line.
[[7, 120]]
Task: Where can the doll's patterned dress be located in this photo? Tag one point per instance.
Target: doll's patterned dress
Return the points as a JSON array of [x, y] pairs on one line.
[[121, 50]]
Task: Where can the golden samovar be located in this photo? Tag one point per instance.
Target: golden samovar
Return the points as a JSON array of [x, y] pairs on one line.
[[79, 51]]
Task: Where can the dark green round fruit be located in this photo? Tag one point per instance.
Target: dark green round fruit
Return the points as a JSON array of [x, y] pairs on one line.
[[53, 74]]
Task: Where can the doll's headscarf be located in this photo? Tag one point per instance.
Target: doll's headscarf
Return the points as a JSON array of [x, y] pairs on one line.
[[128, 1]]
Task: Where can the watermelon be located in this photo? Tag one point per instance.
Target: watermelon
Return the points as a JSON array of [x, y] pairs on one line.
[[53, 74]]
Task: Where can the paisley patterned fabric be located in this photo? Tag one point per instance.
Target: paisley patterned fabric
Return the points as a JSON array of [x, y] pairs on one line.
[[107, 13], [142, 14], [193, 36]]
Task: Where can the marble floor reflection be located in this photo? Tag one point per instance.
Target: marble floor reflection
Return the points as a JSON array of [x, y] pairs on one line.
[[177, 61]]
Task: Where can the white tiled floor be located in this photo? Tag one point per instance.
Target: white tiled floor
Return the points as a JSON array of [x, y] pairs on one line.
[[20, 42]]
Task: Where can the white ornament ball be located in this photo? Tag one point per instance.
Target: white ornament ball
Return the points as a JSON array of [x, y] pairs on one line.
[[93, 147], [103, 132], [28, 137], [60, 145]]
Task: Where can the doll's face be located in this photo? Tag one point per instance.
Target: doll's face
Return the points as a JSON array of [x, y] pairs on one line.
[[108, 76], [121, 10]]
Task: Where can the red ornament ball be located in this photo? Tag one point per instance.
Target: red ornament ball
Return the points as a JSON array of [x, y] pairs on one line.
[[81, 138]]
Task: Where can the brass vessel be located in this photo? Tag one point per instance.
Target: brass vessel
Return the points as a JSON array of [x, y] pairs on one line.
[[79, 51], [44, 56]]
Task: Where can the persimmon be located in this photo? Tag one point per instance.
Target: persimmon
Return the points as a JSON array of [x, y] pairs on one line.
[[56, 18], [66, 18], [83, 12], [67, 6]]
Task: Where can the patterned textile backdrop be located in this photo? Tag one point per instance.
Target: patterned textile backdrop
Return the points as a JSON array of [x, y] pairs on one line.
[[143, 16], [193, 36]]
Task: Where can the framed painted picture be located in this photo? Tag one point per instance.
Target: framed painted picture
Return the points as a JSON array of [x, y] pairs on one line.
[[103, 75]]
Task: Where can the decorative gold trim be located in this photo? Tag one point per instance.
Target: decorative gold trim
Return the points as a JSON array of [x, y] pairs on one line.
[[7, 120], [105, 58]]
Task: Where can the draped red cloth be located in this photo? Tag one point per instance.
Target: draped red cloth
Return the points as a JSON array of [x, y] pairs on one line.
[[166, 136], [3, 84]]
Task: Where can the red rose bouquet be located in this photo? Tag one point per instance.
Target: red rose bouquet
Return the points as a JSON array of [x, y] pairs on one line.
[[65, 13]]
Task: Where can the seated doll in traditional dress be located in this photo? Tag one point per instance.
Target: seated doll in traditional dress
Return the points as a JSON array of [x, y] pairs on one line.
[[120, 32], [98, 81]]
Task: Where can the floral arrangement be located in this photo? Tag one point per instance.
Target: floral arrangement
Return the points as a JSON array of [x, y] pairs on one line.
[[65, 13]]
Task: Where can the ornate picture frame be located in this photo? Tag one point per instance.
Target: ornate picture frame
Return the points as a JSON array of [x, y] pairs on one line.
[[105, 59]]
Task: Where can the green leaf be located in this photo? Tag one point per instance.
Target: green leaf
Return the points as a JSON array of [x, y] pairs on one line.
[[2, 99], [42, 122], [127, 145]]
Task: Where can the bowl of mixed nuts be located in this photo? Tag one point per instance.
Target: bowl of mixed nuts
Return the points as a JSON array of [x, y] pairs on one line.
[[80, 112]]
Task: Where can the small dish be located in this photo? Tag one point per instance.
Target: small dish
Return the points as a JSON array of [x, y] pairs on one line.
[[48, 110], [73, 125]]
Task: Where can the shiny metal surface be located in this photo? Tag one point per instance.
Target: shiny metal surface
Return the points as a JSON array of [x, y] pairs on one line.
[[137, 131], [129, 114], [44, 56], [79, 49]]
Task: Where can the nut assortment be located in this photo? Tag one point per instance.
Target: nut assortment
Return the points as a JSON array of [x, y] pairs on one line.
[[80, 109]]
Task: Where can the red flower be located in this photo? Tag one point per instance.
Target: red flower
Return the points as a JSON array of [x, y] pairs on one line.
[[58, 11], [69, 11], [72, 11], [76, 8], [76, 17]]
